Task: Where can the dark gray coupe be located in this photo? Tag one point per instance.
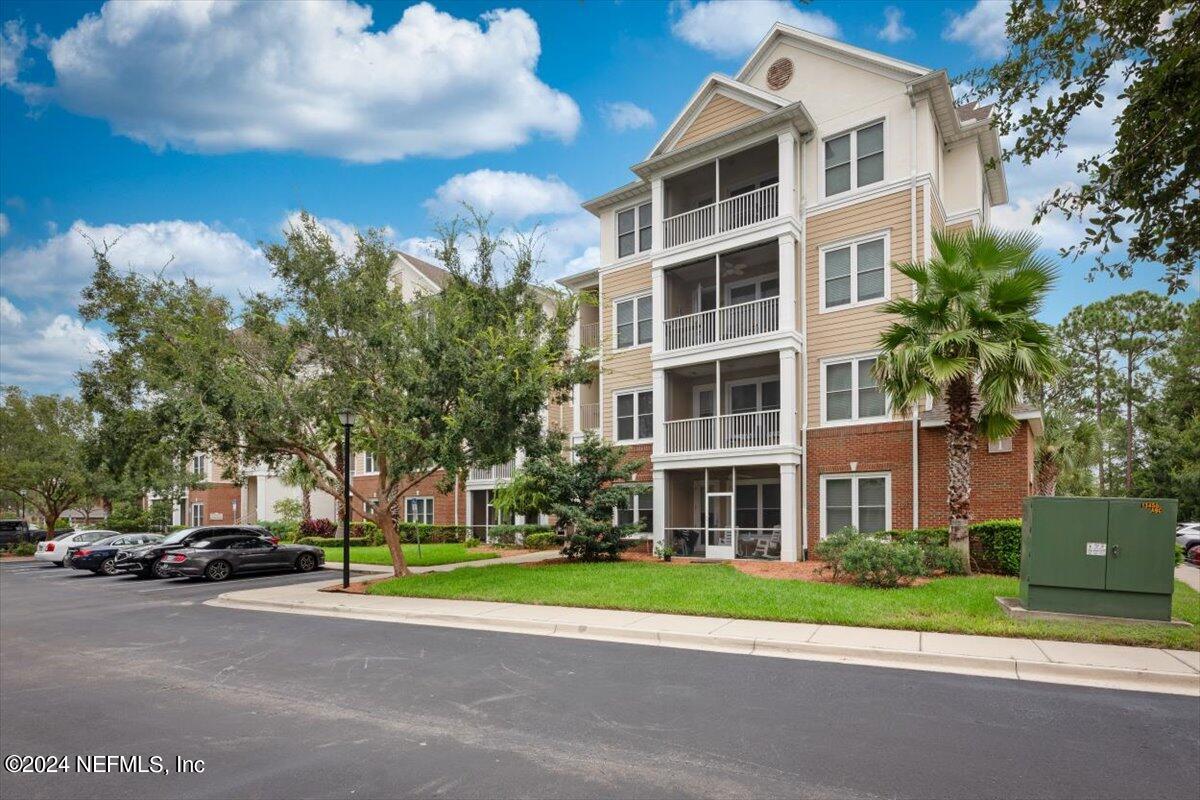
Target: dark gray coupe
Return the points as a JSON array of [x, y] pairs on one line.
[[218, 557]]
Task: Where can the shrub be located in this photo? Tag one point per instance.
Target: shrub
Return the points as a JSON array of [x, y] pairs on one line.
[[541, 540], [25, 549], [831, 548], [509, 535], [1179, 554], [366, 530], [942, 558], [882, 563], [471, 541], [323, 541], [596, 542], [430, 534], [286, 531], [996, 546], [319, 528]]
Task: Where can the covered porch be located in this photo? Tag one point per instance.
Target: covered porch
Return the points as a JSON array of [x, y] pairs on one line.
[[746, 512], [725, 194]]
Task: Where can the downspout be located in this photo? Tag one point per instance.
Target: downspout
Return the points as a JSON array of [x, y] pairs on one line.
[[803, 209], [912, 196]]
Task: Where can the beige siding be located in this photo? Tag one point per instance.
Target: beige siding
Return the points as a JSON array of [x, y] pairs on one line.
[[854, 330], [620, 369], [720, 114], [961, 227]]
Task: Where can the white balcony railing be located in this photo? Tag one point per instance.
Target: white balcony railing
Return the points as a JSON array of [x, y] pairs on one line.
[[720, 324], [727, 432], [500, 473], [589, 334], [726, 215], [589, 416]]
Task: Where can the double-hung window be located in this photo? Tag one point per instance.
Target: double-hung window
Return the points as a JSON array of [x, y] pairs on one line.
[[200, 465], [854, 274], [369, 465], [861, 501], [638, 508], [197, 514], [850, 391], [634, 230], [419, 510], [635, 415], [854, 159], [635, 321]]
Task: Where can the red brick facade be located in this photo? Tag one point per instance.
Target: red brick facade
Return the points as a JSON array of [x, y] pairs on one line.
[[1000, 481], [222, 503], [443, 502]]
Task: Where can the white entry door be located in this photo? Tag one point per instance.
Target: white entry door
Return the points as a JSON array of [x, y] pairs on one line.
[[718, 528]]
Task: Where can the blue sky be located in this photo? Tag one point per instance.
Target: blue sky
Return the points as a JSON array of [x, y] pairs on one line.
[[116, 122]]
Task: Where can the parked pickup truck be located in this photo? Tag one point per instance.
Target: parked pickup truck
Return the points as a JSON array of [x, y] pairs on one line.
[[16, 531]]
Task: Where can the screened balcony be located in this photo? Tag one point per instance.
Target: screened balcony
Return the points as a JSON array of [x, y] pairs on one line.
[[723, 195], [732, 512], [589, 326], [723, 406], [728, 296], [588, 395]]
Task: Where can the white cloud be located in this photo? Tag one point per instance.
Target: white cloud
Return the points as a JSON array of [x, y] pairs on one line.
[[4, 226], [982, 27], [44, 358], [623, 115], [895, 30], [344, 235], [1056, 231], [10, 313], [60, 266], [508, 196], [309, 77], [13, 42], [730, 28]]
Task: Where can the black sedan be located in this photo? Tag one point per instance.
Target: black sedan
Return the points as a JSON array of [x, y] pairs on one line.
[[218, 557], [100, 557], [145, 561]]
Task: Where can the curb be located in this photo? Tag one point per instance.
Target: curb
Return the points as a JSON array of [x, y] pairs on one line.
[[1010, 669]]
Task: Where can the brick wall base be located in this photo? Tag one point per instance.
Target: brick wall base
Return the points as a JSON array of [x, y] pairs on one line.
[[222, 503]]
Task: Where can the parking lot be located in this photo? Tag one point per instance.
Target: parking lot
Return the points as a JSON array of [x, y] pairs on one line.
[[279, 705]]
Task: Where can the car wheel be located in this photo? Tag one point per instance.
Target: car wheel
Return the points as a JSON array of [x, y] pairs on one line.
[[218, 571], [306, 562], [160, 569], [62, 563], [107, 567]]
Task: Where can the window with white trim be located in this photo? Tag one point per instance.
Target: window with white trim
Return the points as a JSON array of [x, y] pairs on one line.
[[862, 501], [638, 507], [197, 516], [854, 159], [200, 465], [635, 415], [634, 230], [419, 510], [369, 464], [854, 274], [635, 321], [850, 391]]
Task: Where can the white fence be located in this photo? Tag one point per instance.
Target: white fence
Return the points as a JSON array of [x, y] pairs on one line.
[[727, 432], [589, 334], [500, 473], [726, 215], [589, 416], [726, 322]]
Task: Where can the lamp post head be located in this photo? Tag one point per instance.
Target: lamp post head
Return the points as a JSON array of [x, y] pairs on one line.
[[347, 416]]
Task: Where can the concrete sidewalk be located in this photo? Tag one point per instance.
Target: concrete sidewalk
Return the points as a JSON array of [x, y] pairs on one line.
[[1108, 666], [1189, 575], [523, 558]]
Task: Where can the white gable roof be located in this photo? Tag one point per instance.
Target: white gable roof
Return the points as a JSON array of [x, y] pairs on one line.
[[823, 45]]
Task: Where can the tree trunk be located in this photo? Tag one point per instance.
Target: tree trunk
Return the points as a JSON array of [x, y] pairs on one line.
[[960, 441], [305, 503], [1128, 426], [387, 525], [1047, 477]]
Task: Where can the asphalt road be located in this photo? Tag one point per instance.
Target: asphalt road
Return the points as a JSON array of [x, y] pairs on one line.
[[282, 706]]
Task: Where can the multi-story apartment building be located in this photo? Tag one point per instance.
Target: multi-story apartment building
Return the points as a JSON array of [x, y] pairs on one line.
[[739, 293]]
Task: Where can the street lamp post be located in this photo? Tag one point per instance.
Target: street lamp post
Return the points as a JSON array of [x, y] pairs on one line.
[[347, 417], [23, 493]]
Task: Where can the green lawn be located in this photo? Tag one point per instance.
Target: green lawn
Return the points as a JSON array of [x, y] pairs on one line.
[[954, 605], [431, 554]]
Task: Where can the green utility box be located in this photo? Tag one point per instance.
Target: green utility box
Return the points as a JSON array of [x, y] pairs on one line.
[[1096, 555]]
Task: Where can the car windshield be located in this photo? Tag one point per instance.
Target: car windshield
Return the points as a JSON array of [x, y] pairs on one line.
[[109, 539], [179, 536]]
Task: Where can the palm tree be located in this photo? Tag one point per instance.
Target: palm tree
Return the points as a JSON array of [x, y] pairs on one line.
[[968, 336], [297, 475], [1064, 445]]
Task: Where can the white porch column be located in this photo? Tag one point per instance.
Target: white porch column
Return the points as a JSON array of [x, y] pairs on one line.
[[659, 387], [787, 397], [660, 506], [787, 282], [658, 199], [789, 530], [787, 174], [576, 410], [658, 307]]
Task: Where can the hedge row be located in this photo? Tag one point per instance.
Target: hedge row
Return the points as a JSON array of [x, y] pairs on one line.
[[514, 534], [363, 534], [995, 544]]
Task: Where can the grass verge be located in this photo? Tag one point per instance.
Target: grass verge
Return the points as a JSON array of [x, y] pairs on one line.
[[949, 605], [430, 556]]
